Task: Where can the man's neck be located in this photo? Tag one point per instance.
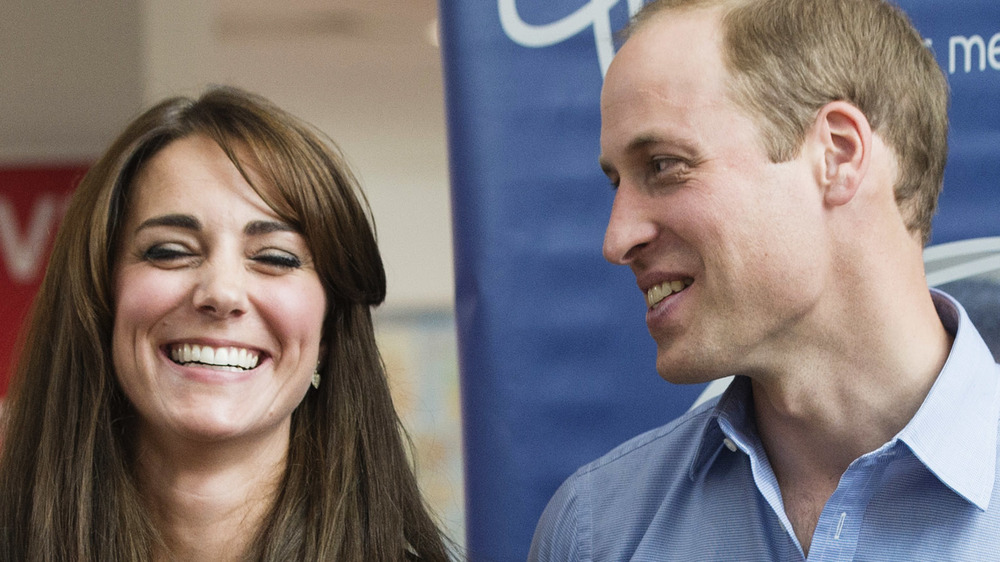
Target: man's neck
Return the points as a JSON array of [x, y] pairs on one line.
[[843, 399]]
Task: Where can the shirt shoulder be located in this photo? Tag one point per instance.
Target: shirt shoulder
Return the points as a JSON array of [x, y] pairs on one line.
[[619, 493], [673, 445]]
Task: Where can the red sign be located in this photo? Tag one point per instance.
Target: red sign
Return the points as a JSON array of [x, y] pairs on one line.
[[32, 202]]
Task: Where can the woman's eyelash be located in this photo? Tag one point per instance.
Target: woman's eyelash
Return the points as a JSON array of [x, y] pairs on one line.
[[287, 261], [171, 252], [164, 252]]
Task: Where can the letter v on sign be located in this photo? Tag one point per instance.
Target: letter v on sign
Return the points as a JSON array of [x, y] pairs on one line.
[[24, 253]]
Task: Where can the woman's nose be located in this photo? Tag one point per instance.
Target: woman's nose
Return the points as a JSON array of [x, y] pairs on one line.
[[221, 290]]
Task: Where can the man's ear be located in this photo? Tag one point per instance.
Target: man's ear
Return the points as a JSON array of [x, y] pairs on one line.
[[845, 139]]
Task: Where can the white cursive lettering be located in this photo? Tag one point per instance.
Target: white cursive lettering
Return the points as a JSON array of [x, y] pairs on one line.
[[595, 13]]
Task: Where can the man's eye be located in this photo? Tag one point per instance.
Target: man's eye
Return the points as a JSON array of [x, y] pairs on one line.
[[669, 170], [281, 260], [661, 165]]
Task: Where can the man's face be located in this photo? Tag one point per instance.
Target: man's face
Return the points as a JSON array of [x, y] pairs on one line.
[[727, 246]]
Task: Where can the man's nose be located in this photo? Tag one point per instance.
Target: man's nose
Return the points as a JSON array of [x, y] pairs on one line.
[[630, 227]]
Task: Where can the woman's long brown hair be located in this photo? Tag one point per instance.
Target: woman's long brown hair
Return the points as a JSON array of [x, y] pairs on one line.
[[67, 483]]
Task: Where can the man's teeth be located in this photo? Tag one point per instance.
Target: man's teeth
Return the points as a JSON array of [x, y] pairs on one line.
[[664, 290], [230, 358]]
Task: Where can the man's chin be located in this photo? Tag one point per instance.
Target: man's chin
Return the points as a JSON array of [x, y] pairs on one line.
[[678, 371]]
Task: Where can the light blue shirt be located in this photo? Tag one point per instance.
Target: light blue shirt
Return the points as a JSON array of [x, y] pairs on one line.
[[701, 488]]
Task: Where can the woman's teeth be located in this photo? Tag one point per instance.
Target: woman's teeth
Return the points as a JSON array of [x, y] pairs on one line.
[[665, 289], [227, 358]]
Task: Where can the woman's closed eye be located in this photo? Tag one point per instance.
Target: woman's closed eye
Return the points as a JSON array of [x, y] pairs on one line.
[[277, 259], [168, 253]]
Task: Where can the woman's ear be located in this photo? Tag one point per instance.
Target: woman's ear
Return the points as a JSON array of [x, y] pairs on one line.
[[845, 138]]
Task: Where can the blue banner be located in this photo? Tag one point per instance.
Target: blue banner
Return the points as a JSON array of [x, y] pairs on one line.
[[557, 366]]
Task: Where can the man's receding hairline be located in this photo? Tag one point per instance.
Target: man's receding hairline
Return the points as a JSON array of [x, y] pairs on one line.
[[650, 13], [723, 7]]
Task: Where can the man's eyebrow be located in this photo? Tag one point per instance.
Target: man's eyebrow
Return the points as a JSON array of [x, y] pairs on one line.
[[186, 222], [636, 145], [642, 141], [258, 228]]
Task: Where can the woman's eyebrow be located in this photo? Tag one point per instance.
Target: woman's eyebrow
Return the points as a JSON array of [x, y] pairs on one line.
[[189, 222], [260, 227], [186, 222]]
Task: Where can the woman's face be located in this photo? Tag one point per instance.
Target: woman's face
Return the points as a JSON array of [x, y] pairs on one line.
[[218, 306]]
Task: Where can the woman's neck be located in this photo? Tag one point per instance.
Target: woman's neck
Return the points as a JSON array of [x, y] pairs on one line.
[[208, 499]]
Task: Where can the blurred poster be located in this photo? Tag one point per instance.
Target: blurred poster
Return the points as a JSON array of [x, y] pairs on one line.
[[418, 348], [32, 202]]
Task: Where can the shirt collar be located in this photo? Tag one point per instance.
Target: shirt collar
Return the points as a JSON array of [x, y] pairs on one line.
[[954, 432], [734, 409], [948, 440]]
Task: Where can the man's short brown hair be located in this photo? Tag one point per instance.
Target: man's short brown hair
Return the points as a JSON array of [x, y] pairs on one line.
[[788, 58]]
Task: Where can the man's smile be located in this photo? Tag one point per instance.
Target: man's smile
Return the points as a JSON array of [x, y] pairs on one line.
[[659, 292]]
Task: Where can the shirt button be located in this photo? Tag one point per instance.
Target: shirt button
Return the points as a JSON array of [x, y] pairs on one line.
[[729, 444]]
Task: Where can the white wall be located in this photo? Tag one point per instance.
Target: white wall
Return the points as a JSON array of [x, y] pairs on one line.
[[69, 77]]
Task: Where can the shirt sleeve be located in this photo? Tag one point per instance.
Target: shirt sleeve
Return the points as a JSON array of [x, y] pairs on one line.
[[558, 535]]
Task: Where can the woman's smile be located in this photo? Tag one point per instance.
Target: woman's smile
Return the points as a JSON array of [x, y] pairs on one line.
[[223, 358]]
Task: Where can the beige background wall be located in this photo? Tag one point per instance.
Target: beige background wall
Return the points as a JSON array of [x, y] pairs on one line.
[[364, 72]]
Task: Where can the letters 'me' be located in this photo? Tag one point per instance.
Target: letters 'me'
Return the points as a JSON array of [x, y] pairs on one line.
[[988, 52]]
